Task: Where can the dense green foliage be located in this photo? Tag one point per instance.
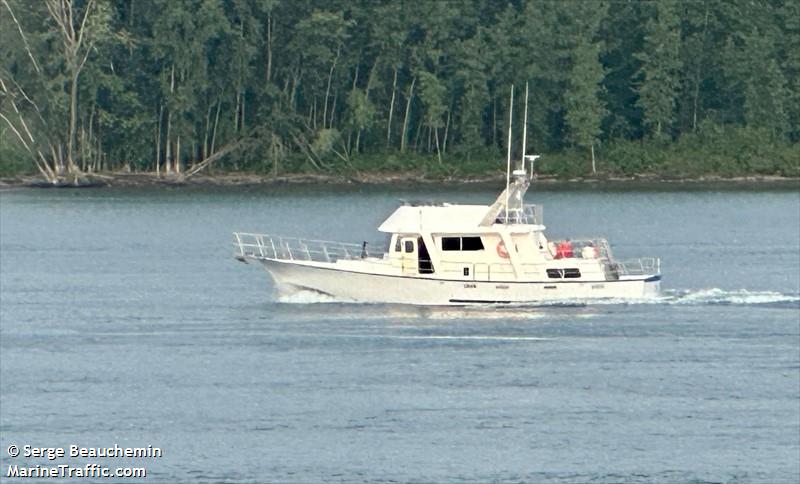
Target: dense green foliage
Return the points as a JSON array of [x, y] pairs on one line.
[[678, 88]]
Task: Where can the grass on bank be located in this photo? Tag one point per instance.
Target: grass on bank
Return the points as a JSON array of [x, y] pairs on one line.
[[712, 151]]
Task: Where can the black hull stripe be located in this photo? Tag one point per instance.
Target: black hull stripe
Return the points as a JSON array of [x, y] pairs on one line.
[[653, 278]]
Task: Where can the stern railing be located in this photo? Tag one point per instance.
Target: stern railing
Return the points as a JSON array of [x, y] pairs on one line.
[[597, 248], [643, 266]]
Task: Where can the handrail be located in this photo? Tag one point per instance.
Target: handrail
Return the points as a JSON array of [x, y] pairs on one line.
[[602, 250], [264, 246], [530, 214], [639, 267]]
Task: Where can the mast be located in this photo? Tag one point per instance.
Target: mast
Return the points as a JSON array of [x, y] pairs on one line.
[[524, 131], [508, 160], [499, 211]]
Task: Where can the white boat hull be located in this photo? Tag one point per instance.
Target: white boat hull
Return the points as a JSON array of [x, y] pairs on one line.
[[363, 287]]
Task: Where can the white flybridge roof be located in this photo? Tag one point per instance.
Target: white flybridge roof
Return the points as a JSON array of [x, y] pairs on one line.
[[445, 218], [449, 219]]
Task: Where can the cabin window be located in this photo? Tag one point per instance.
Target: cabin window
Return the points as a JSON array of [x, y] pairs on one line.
[[397, 245], [565, 273], [462, 243], [471, 243], [554, 273], [409, 246], [425, 265], [451, 243]]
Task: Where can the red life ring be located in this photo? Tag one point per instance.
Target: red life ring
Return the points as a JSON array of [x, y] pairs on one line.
[[564, 250], [501, 250]]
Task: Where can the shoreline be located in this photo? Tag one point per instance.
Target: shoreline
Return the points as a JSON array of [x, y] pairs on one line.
[[132, 180]]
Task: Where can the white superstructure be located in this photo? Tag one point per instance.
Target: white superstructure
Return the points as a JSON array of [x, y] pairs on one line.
[[456, 254]]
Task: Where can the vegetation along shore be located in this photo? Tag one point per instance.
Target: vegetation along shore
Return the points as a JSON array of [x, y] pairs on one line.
[[253, 91]]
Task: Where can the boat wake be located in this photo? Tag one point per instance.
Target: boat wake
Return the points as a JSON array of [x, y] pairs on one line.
[[700, 297], [309, 297], [723, 297], [697, 297]]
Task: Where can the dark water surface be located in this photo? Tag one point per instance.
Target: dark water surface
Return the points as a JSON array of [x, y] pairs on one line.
[[125, 320]]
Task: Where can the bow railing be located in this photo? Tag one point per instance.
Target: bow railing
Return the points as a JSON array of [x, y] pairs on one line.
[[264, 246]]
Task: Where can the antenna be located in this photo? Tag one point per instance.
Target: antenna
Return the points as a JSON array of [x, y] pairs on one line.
[[525, 131], [508, 161]]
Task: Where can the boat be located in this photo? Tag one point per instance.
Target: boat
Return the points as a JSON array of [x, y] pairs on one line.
[[451, 254]]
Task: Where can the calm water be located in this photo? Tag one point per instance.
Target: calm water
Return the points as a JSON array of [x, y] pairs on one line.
[[126, 320]]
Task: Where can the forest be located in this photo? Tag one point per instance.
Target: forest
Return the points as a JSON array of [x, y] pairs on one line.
[[617, 87]]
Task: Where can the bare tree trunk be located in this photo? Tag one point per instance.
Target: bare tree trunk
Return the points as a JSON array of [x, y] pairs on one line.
[[371, 77], [446, 131], [169, 160], [45, 169], [333, 110], [594, 166], [73, 120], [177, 161], [355, 79], [293, 94], [158, 140], [494, 123], [405, 118], [438, 152], [430, 138], [350, 133], [216, 123], [24, 39], [206, 162], [269, 46], [328, 88], [82, 145], [207, 132], [58, 163], [236, 114], [92, 136], [391, 109], [275, 141], [167, 155], [312, 115], [370, 81], [417, 137]]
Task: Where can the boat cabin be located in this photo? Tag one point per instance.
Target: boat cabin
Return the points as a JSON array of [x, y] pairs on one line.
[[485, 243]]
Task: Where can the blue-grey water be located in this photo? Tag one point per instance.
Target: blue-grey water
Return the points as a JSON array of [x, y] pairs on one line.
[[124, 319]]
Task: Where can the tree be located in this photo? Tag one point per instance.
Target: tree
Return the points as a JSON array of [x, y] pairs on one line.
[[78, 32], [79, 28], [166, 85], [432, 95], [765, 90], [361, 112], [660, 68], [585, 110]]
